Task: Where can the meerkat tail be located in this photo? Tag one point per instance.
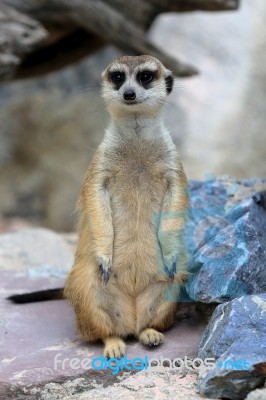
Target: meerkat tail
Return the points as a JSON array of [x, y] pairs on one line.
[[41, 295]]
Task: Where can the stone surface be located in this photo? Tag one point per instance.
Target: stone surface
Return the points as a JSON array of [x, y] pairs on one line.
[[13, 224], [226, 230], [217, 121], [258, 394], [161, 384], [31, 335], [236, 338]]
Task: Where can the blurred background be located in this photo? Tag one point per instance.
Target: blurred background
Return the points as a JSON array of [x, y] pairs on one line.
[[52, 117]]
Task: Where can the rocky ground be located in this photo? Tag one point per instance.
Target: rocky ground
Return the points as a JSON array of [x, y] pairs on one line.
[[33, 334]]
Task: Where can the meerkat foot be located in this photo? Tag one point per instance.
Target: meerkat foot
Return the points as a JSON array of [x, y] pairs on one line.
[[114, 347], [151, 337]]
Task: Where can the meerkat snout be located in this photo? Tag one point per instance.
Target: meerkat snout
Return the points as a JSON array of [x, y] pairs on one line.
[[136, 84], [129, 95]]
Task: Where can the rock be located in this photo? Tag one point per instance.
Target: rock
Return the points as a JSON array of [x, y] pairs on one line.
[[32, 335], [161, 383], [36, 253], [148, 385], [236, 339], [207, 199], [231, 242], [258, 394], [13, 224], [217, 121]]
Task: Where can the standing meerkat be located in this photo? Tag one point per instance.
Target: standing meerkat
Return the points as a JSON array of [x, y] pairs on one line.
[[132, 206]]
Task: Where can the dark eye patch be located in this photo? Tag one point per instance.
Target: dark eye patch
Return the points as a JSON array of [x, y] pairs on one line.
[[169, 82], [117, 78], [145, 78]]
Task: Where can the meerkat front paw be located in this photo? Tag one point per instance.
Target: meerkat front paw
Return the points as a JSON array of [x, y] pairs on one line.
[[104, 263], [151, 337]]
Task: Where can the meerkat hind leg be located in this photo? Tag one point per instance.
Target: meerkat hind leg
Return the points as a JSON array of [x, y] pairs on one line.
[[154, 314], [114, 347]]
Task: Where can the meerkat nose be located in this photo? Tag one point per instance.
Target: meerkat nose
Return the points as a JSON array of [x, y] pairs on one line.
[[129, 95]]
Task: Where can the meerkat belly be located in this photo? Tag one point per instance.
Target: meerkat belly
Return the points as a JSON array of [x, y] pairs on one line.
[[136, 201]]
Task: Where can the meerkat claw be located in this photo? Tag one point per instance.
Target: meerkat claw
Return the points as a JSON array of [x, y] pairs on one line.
[[171, 271], [105, 274], [104, 268]]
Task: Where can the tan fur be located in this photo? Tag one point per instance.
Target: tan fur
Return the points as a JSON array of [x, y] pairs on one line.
[[135, 178]]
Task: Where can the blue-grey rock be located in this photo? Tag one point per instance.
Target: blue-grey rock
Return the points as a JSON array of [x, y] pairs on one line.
[[207, 199], [230, 258], [236, 339]]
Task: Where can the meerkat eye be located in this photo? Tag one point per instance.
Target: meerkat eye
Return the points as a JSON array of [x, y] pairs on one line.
[[145, 77], [117, 77]]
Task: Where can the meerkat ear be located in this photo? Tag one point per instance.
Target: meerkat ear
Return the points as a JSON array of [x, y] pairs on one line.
[[169, 81]]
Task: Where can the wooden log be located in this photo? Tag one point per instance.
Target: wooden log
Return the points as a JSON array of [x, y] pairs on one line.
[[19, 35], [59, 54], [99, 18], [120, 22], [195, 5], [138, 11], [144, 12]]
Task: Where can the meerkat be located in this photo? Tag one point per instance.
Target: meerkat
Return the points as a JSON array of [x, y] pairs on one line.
[[135, 187], [131, 249]]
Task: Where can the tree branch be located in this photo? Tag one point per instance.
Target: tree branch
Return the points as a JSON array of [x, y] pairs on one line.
[[120, 22], [19, 35], [196, 5], [98, 17]]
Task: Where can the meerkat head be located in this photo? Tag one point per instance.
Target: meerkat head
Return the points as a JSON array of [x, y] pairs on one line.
[[136, 85]]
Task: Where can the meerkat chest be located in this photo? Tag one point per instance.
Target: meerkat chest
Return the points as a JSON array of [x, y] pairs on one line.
[[139, 172], [137, 188]]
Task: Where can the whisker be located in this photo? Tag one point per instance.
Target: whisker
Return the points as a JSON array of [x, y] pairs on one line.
[[91, 148], [183, 87]]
